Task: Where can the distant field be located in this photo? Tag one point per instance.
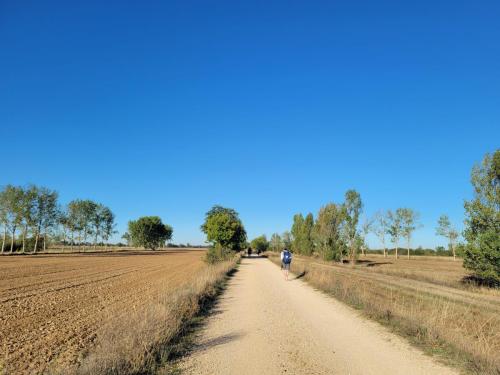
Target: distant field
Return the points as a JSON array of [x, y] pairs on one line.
[[52, 306], [423, 298]]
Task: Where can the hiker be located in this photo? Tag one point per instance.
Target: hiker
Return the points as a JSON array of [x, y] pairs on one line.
[[286, 260]]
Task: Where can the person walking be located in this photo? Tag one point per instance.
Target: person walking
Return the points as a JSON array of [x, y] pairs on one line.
[[286, 260]]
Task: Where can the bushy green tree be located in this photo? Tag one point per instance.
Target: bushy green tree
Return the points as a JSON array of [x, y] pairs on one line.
[[482, 230], [328, 232], [149, 232], [260, 243], [224, 231]]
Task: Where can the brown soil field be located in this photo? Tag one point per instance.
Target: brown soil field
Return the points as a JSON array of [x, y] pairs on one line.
[[53, 305]]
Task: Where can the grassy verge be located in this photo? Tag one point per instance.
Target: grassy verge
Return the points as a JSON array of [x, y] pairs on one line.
[[144, 340], [464, 335]]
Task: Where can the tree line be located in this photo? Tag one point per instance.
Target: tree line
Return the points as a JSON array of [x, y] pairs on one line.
[[337, 233], [30, 215]]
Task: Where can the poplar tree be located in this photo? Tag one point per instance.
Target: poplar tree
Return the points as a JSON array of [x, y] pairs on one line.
[[297, 232], [409, 222], [445, 229], [395, 229], [353, 208], [381, 228]]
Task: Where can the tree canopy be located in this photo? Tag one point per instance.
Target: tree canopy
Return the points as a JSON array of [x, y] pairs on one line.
[[482, 231], [224, 228], [149, 232]]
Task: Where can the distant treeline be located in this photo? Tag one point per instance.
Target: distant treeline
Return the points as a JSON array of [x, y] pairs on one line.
[[32, 218]]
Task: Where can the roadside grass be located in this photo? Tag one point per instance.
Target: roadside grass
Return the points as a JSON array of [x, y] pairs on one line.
[[454, 328], [146, 340]]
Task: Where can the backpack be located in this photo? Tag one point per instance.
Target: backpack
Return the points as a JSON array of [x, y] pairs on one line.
[[287, 257]]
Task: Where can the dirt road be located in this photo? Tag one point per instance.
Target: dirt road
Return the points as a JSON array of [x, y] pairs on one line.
[[265, 325]]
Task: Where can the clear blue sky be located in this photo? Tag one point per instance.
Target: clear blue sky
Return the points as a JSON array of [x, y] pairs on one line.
[[270, 107]]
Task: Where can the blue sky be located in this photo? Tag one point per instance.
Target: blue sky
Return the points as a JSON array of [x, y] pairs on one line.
[[270, 107]]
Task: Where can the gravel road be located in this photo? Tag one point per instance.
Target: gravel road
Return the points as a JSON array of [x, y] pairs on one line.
[[266, 325]]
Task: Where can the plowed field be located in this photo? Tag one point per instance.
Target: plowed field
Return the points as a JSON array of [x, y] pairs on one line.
[[51, 306]]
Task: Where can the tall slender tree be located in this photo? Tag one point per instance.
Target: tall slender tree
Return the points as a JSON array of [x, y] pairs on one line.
[[409, 221], [445, 229], [297, 232], [328, 232], [353, 208], [307, 235], [366, 228], [14, 210], [4, 216], [395, 229], [45, 214], [381, 228]]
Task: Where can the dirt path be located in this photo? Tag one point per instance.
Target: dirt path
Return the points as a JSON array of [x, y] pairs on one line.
[[265, 325]]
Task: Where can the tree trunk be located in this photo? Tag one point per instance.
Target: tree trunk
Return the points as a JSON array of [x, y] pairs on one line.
[[95, 242], [45, 240], [453, 250], [4, 237], [64, 240], [24, 240], [396, 251], [353, 254], [36, 241], [12, 239], [72, 240]]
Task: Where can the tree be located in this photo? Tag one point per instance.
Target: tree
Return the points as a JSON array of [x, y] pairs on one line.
[[260, 243], [102, 222], [13, 196], [276, 244], [45, 213], [381, 228], [353, 208], [225, 231], [307, 235], [286, 237], [409, 223], [445, 229], [149, 232], [327, 232], [482, 224], [365, 229], [107, 224], [27, 204], [395, 229], [4, 216], [297, 233], [81, 214]]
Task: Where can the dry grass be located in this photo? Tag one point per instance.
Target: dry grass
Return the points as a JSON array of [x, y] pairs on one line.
[[422, 299], [143, 340]]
